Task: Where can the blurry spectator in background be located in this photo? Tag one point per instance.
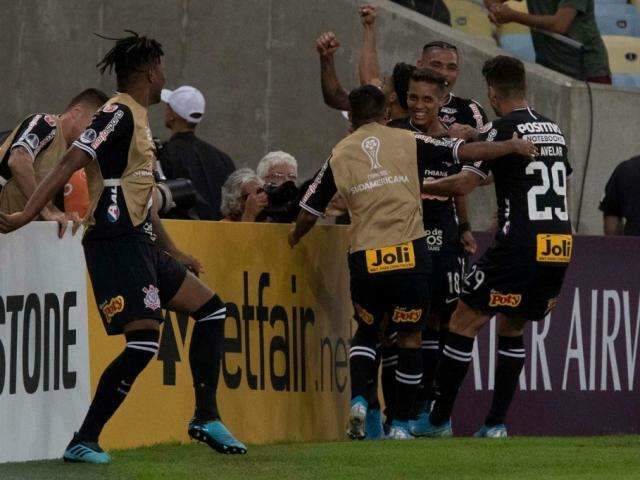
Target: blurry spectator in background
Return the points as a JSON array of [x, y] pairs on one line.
[[435, 9], [621, 202], [186, 156], [276, 168], [572, 18], [243, 198]]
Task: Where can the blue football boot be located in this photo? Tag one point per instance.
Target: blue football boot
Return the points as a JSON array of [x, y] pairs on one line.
[[216, 435], [400, 431], [422, 427], [494, 431], [373, 425], [85, 452]]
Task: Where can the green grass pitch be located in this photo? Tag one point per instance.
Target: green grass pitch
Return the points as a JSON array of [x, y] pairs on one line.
[[458, 458]]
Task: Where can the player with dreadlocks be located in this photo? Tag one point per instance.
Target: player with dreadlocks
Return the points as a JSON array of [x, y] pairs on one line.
[[134, 266]]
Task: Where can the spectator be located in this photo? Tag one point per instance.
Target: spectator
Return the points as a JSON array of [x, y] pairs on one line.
[[435, 9], [276, 168], [243, 198], [187, 156], [621, 202], [572, 18]]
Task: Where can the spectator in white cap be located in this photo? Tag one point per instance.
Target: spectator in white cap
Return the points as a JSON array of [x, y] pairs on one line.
[[187, 156], [276, 168]]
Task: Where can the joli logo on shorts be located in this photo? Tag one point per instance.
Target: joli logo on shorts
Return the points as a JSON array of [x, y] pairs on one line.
[[554, 248], [400, 315], [396, 257], [498, 299], [113, 306]]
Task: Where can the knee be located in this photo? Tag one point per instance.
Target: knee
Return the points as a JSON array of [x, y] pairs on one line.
[[466, 321], [410, 339], [510, 327]]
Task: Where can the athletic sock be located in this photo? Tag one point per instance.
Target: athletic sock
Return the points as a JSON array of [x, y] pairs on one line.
[[388, 379], [430, 353], [116, 381], [372, 396], [408, 381], [511, 355], [362, 361], [451, 370], [205, 354]]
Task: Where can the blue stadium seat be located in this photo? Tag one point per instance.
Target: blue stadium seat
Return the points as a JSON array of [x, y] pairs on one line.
[[611, 2], [616, 19], [519, 45], [626, 80]]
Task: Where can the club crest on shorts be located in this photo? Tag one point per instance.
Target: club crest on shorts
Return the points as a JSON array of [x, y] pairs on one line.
[[151, 297], [497, 299], [371, 146], [111, 307]]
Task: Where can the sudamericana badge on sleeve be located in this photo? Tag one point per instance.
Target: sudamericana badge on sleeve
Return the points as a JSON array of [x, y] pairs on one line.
[[554, 248], [396, 257]]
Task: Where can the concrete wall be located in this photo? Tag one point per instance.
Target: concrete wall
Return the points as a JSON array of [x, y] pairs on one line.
[[256, 64]]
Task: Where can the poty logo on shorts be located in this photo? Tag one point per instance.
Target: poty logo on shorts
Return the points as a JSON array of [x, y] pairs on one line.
[[401, 315], [498, 299], [113, 306], [365, 316], [151, 297]]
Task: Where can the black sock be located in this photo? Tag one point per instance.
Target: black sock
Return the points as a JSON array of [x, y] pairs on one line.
[[372, 397], [430, 354], [451, 370], [116, 381], [408, 381], [511, 357], [205, 354], [388, 379], [362, 361]]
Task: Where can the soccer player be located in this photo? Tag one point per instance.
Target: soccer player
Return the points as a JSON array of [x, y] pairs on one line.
[[134, 266], [521, 275], [35, 146], [374, 170]]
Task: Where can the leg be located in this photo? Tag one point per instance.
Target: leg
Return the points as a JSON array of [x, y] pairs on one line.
[[408, 374], [430, 352], [511, 356]]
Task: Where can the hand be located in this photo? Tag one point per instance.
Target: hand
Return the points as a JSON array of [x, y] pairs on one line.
[[63, 219], [192, 263], [469, 242], [523, 147], [499, 13], [292, 238], [9, 223], [466, 132], [256, 202], [327, 44], [368, 15]]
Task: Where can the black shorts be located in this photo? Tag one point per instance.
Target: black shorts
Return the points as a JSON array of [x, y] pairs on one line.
[[495, 284], [447, 270], [396, 298], [131, 280]]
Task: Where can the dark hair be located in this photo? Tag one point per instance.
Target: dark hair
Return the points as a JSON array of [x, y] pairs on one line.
[[90, 96], [506, 75], [400, 78], [429, 76], [367, 104], [130, 55], [439, 44]]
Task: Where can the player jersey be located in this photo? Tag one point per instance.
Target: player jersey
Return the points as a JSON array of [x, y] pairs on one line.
[[533, 218], [41, 137], [375, 171], [438, 159], [464, 111], [120, 175]]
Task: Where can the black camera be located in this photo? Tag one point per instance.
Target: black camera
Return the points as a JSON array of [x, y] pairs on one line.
[[283, 202]]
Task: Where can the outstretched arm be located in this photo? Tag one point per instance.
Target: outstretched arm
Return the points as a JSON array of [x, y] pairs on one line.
[[483, 151], [335, 96], [461, 183], [304, 223]]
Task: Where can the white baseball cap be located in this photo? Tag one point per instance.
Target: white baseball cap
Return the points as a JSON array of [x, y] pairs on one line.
[[188, 102]]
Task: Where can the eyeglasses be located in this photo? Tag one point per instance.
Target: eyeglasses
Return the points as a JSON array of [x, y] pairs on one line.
[[281, 176]]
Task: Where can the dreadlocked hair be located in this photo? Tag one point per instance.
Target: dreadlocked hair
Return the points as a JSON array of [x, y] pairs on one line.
[[130, 55]]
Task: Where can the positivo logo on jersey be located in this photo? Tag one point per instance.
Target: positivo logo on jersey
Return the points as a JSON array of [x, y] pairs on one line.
[[396, 257], [497, 299], [553, 248]]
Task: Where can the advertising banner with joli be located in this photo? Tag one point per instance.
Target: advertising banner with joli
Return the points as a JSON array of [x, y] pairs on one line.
[[284, 374], [44, 350]]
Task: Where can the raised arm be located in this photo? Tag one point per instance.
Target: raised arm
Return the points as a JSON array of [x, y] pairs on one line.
[[335, 96], [483, 151], [461, 183], [368, 67]]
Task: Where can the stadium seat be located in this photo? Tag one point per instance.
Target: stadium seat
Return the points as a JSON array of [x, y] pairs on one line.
[[470, 18], [611, 2], [615, 19], [624, 59], [519, 45]]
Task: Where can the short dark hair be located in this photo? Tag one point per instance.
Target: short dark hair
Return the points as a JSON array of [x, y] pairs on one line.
[[506, 75], [439, 44], [91, 96], [367, 104], [400, 78], [429, 76], [130, 55]]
